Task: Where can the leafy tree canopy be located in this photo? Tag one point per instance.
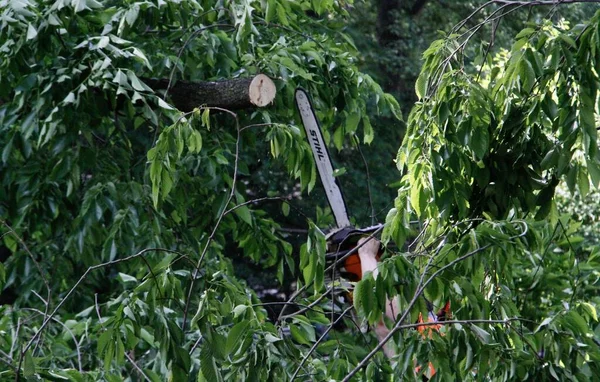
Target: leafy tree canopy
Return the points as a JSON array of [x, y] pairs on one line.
[[119, 211]]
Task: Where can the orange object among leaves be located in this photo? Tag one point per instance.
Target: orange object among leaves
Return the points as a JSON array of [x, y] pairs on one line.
[[442, 315], [352, 266]]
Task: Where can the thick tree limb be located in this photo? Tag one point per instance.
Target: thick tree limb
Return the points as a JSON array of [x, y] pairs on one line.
[[239, 93]]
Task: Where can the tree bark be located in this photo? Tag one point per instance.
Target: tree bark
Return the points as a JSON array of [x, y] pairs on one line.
[[235, 94]]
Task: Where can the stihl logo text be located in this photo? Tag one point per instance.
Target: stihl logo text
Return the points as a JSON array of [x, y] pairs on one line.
[[315, 138]]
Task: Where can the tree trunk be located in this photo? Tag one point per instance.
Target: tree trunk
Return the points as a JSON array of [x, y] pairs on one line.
[[393, 38], [239, 93]]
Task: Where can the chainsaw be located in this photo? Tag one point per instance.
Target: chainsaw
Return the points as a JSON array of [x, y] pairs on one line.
[[342, 240]]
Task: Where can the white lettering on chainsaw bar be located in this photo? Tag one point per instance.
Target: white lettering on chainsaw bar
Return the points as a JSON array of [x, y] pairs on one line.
[[324, 167]]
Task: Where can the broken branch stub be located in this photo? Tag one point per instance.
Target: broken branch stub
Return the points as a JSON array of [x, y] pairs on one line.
[[234, 94]]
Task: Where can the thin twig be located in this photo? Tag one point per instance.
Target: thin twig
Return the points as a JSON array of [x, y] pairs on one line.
[[7, 359], [259, 125], [318, 342], [77, 343], [357, 141], [81, 279], [307, 307], [258, 200], [44, 279], [15, 337], [290, 301], [139, 369], [524, 339], [217, 224], [495, 25], [135, 365], [520, 3], [196, 344], [542, 2]]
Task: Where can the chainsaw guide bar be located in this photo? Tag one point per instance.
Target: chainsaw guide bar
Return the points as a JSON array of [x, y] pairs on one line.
[[321, 155]]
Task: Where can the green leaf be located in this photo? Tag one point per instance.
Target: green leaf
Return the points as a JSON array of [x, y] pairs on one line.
[[243, 213], [285, 208], [206, 118], [104, 340], [208, 365], [576, 323], [127, 278], [7, 150], [484, 336], [527, 75], [338, 138], [352, 122], [524, 33], [298, 335], [590, 310], [239, 310], [418, 199], [480, 141], [28, 365], [421, 85], [31, 32], [282, 15], [2, 276], [163, 104], [270, 13], [271, 338], [236, 334], [369, 134], [195, 142], [166, 184], [339, 172], [393, 105]]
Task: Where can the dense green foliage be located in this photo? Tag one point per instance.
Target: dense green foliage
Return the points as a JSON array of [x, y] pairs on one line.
[[482, 168], [121, 215], [98, 169]]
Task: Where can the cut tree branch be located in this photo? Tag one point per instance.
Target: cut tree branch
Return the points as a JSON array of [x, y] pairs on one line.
[[239, 93]]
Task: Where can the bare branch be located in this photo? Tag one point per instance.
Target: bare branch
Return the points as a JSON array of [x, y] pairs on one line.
[[314, 347], [290, 301], [307, 307], [49, 317], [77, 343], [135, 365], [253, 201]]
